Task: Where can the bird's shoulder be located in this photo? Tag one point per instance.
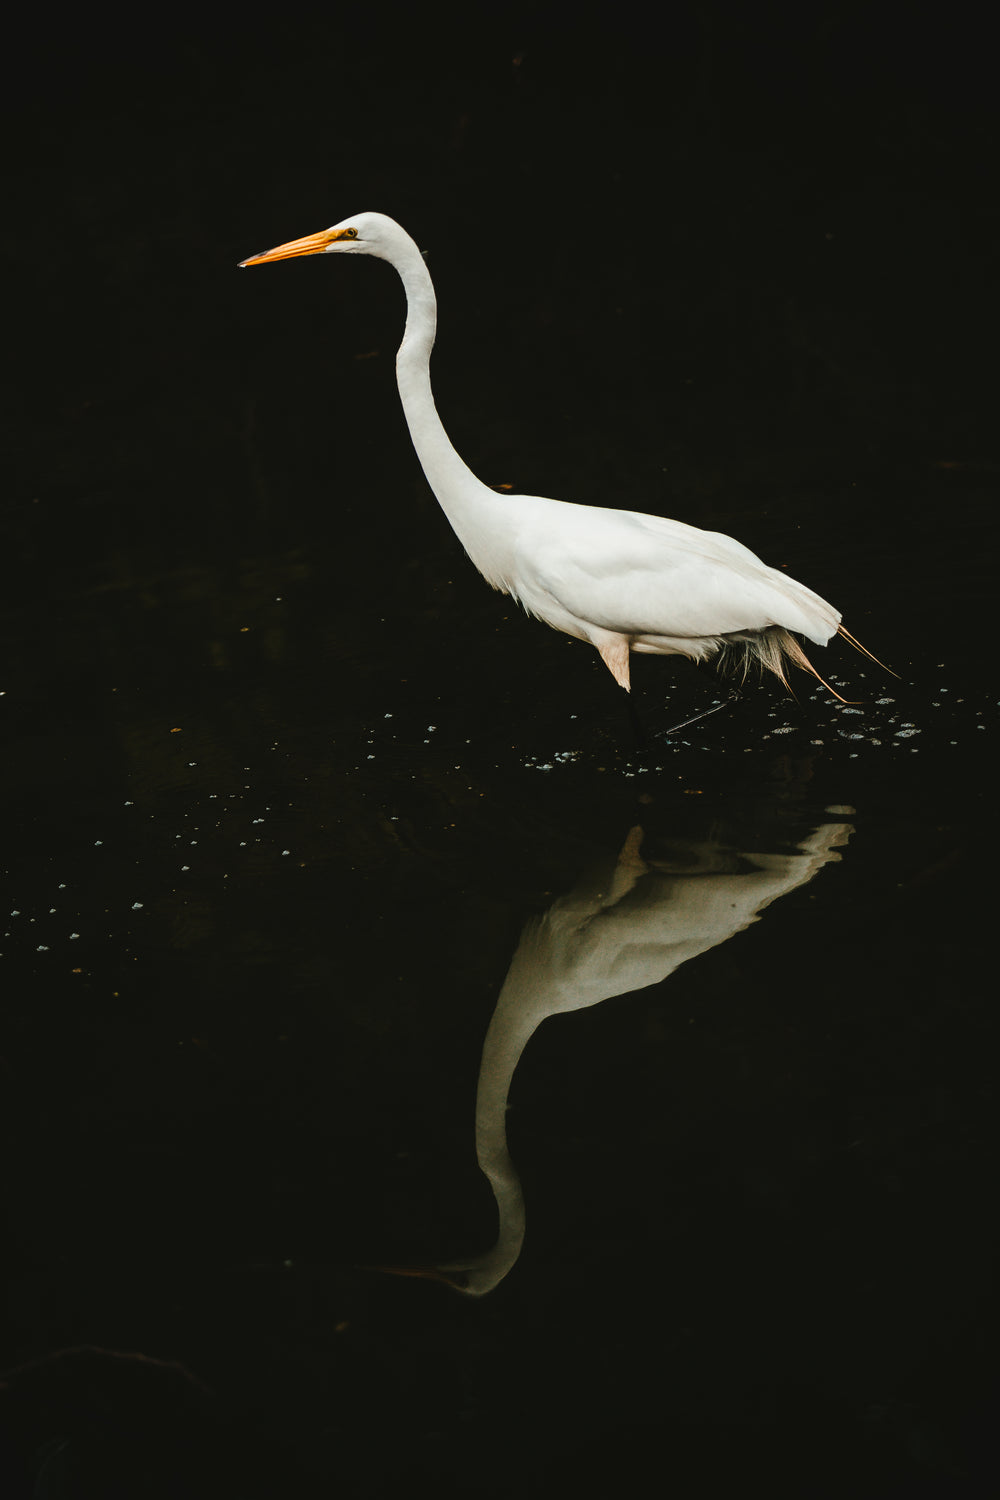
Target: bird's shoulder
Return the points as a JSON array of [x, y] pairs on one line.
[[598, 538]]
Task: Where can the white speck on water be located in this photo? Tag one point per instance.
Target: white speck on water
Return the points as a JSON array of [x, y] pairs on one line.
[[885, 700], [185, 867], [98, 843], [137, 906], [286, 851], [42, 948], [73, 935]]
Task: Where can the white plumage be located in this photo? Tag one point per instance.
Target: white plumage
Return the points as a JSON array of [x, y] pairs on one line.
[[621, 580]]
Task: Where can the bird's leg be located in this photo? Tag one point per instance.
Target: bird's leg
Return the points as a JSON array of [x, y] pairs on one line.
[[640, 736], [614, 651], [734, 697]]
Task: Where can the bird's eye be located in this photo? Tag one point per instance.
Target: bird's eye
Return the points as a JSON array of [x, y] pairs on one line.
[[350, 234]]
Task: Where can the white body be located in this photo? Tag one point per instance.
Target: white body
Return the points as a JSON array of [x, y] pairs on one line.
[[619, 579]]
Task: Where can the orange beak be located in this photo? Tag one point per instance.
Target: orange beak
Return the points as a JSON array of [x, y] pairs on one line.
[[310, 244]]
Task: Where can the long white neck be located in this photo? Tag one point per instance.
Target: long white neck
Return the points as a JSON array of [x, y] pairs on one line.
[[481, 519]]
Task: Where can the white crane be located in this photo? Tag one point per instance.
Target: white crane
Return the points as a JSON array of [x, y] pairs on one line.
[[622, 580]]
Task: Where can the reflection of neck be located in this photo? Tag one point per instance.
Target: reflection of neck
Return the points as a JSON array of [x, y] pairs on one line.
[[505, 1041]]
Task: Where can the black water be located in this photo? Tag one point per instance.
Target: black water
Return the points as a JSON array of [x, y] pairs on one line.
[[285, 781]]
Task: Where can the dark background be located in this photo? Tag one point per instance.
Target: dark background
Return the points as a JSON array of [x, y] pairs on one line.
[[731, 264]]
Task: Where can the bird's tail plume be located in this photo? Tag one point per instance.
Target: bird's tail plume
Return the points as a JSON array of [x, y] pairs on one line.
[[772, 650], [864, 650]]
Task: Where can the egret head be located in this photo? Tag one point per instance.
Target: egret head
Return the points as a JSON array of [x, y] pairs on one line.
[[364, 234]]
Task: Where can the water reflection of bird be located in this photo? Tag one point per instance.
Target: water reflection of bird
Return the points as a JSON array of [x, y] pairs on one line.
[[624, 928], [621, 580]]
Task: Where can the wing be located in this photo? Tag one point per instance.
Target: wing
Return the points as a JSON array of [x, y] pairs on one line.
[[645, 575]]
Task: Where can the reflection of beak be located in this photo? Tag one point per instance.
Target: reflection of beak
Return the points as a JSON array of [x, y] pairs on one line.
[[310, 244], [425, 1273]]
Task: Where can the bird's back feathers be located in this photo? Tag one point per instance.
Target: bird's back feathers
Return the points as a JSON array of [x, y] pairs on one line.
[[650, 578]]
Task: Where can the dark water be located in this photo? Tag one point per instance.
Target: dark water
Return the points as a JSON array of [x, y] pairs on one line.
[[288, 788]]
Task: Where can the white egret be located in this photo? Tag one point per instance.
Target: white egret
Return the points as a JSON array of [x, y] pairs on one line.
[[619, 579]]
